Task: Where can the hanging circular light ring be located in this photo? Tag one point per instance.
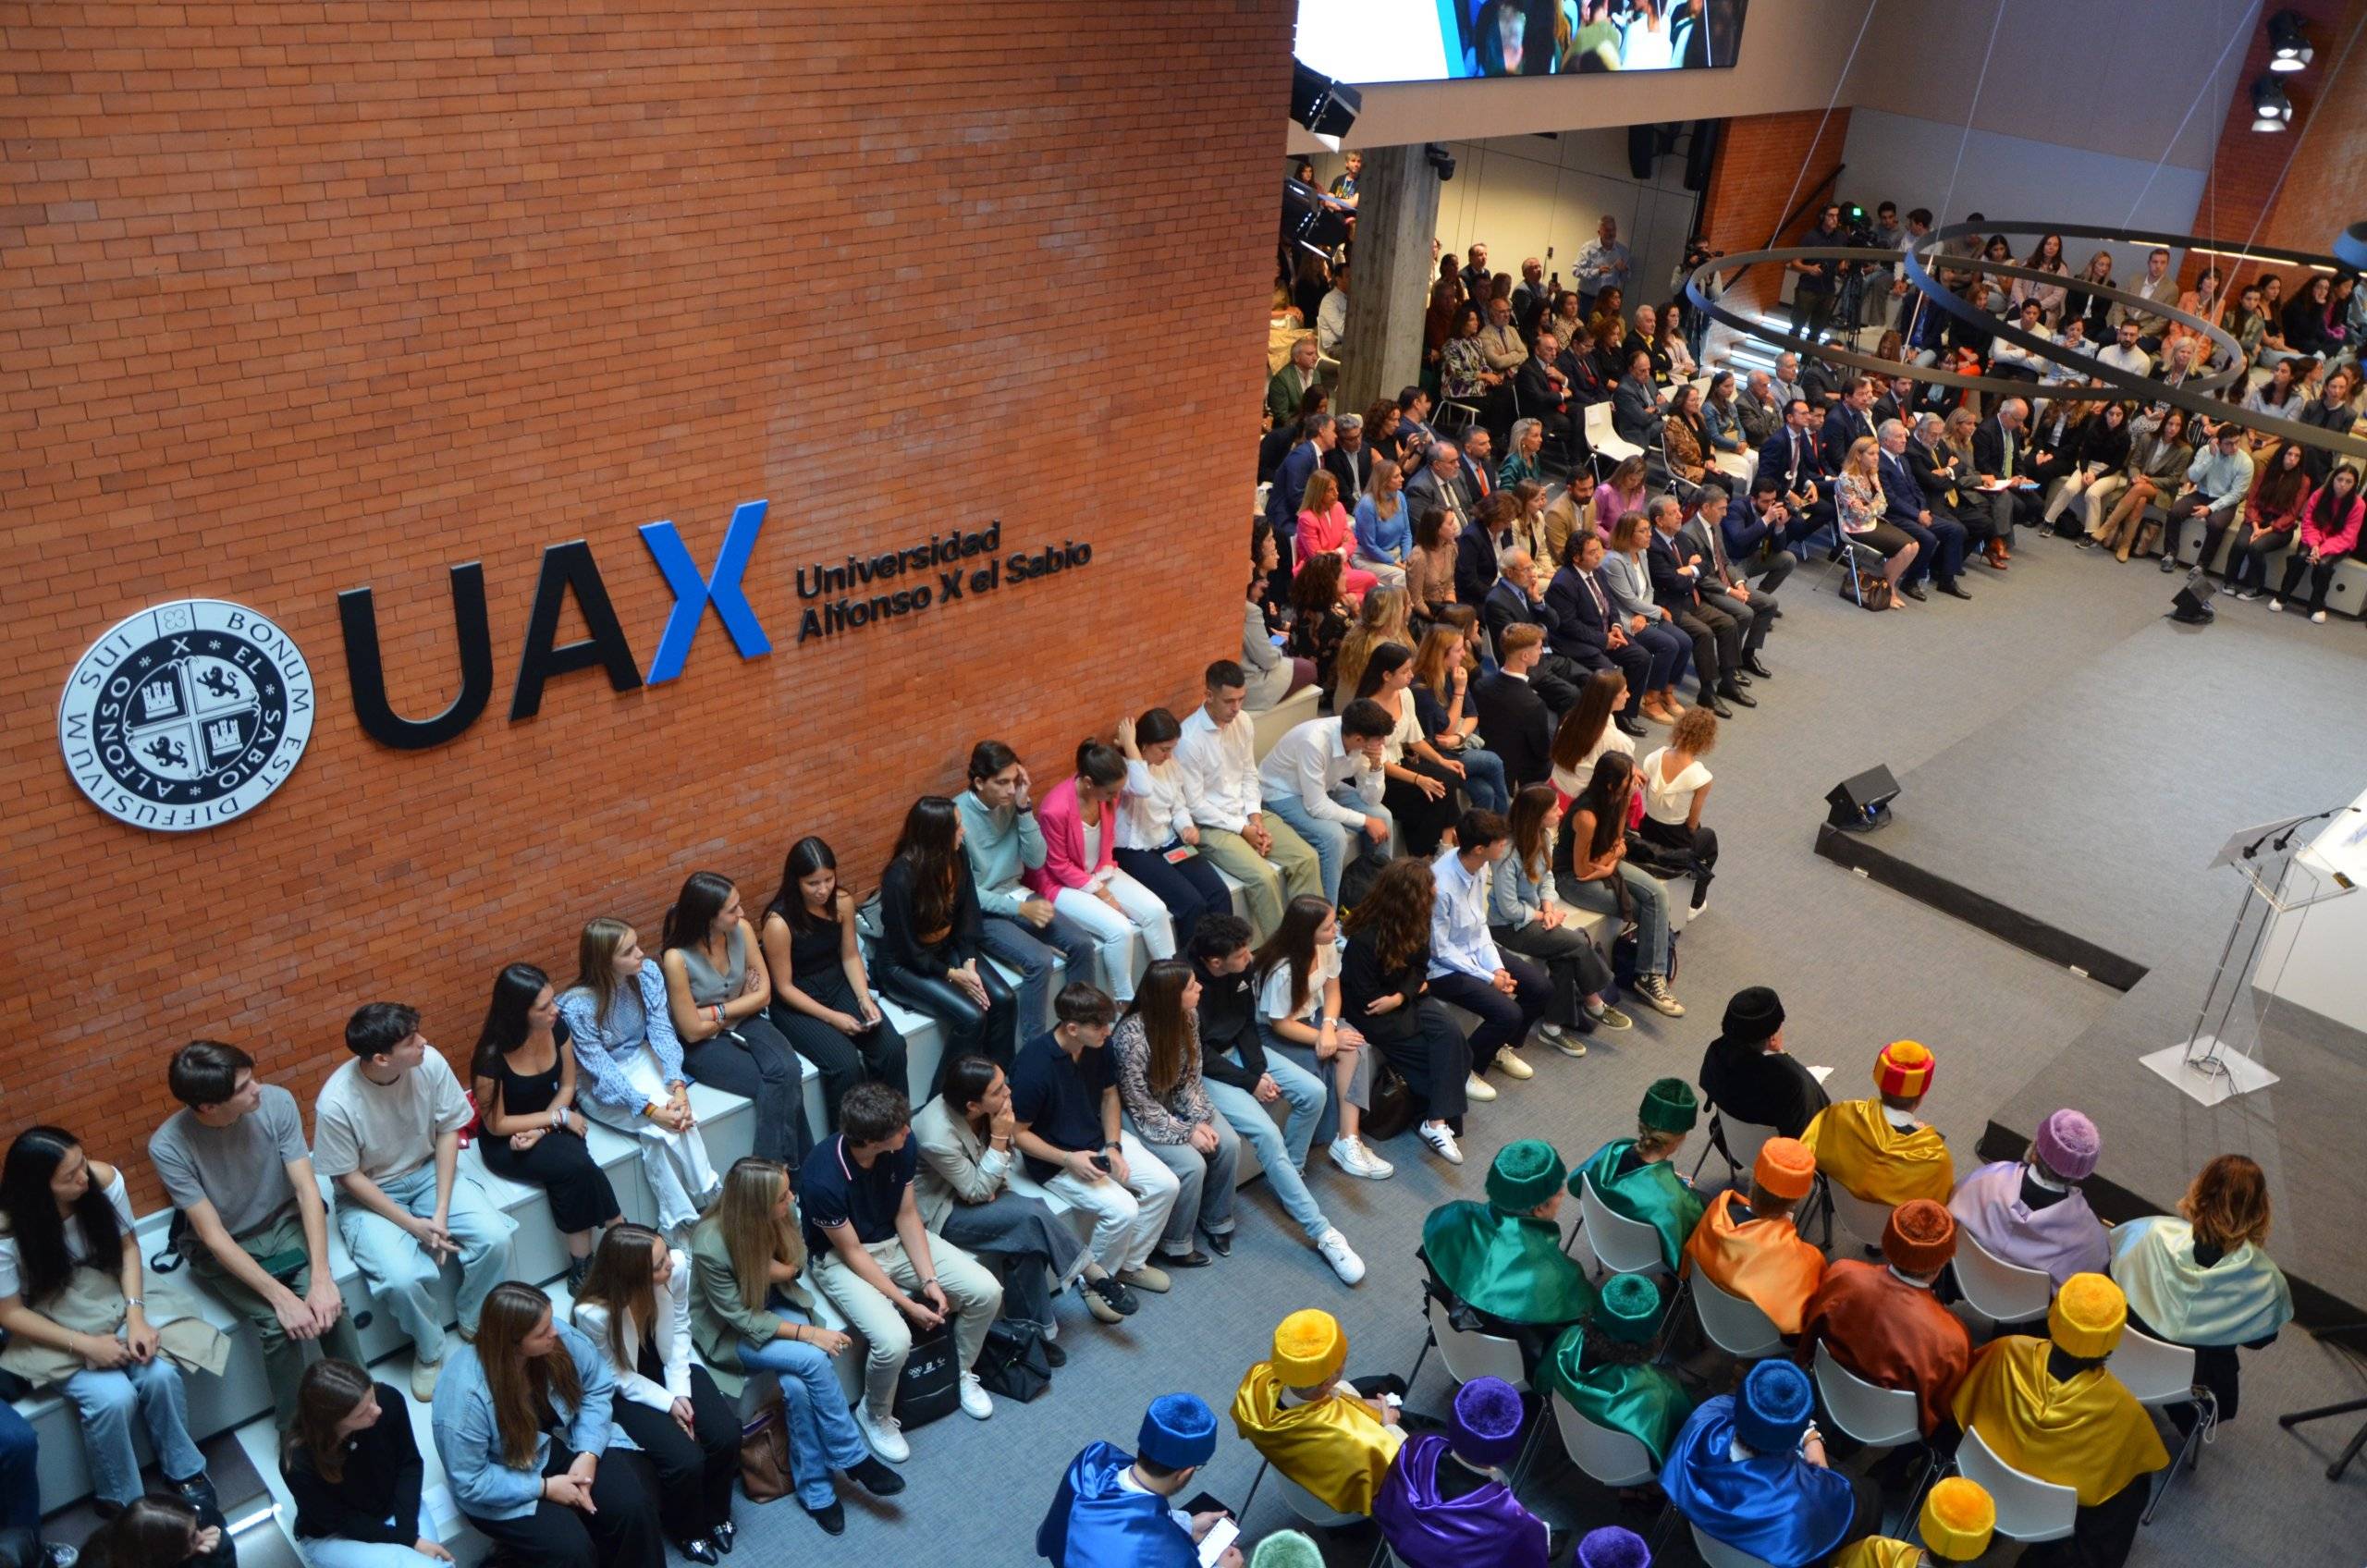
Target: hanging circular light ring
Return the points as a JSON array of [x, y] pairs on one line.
[[2099, 383]]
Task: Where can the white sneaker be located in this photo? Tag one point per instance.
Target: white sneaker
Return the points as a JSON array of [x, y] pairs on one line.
[[884, 1433], [1509, 1063], [1701, 904], [1341, 1256], [423, 1378], [1478, 1090], [1351, 1156], [2317, 617], [2276, 606], [976, 1403], [1440, 1137]]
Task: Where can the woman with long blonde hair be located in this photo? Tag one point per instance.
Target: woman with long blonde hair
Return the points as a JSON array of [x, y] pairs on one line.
[[1323, 530], [1858, 494], [1381, 617], [636, 1305], [751, 1312], [1442, 670], [524, 1425], [629, 1064], [1383, 977]]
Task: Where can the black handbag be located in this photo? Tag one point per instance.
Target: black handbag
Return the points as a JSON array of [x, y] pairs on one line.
[[1011, 1363], [930, 1385], [1392, 1102]]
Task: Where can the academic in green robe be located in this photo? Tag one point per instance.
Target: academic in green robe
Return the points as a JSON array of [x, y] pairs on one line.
[[1508, 1265], [1654, 1194], [1645, 1402]]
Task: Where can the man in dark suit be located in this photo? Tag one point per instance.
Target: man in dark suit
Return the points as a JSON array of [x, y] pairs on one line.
[[1720, 583], [1937, 472], [1850, 418], [1635, 404], [1543, 393], [1897, 403], [1290, 484], [1582, 372], [1939, 539], [2000, 450], [1514, 600], [1276, 444], [1440, 483], [1349, 460], [1514, 717], [1717, 639], [1478, 466], [1485, 539], [1754, 531], [1587, 633], [1791, 456]]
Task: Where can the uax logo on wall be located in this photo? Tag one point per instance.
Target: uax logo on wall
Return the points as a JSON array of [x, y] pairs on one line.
[[189, 713]]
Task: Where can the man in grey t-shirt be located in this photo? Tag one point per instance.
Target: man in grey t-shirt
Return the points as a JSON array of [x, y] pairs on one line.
[[234, 1163], [388, 1127]]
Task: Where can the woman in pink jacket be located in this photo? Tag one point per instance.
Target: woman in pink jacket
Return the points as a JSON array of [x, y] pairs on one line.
[[1079, 819], [2329, 531]]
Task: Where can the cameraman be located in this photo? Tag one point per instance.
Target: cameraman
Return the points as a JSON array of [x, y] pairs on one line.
[[1819, 282]]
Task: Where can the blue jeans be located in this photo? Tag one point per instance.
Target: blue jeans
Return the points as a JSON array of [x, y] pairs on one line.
[[336, 1551], [399, 1269], [106, 1400], [1483, 778], [1651, 903], [1204, 1184], [1033, 953], [1334, 843], [20, 1473], [1301, 1134], [1250, 1119], [822, 1433]]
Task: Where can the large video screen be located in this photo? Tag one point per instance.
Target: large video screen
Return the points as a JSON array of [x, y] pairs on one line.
[[1378, 41]]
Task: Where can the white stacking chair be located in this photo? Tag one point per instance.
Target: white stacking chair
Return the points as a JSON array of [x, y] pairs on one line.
[[1469, 1355], [2028, 1509], [1620, 1244], [2158, 1374], [1877, 1417], [2001, 1292], [1867, 1221], [1741, 1140], [1718, 1554], [1312, 1509], [1735, 1325], [1610, 1458], [1603, 438]]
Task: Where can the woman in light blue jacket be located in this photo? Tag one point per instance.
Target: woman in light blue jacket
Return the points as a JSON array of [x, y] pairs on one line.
[[1524, 916], [522, 1420]]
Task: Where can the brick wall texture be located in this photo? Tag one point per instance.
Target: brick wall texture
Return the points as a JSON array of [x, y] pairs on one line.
[[304, 296], [2310, 181], [1759, 159]]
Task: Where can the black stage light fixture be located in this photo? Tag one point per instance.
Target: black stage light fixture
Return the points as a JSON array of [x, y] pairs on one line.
[[2193, 603], [2350, 247], [1309, 220], [1326, 108], [1862, 804], [1440, 160], [2288, 45], [2271, 110]]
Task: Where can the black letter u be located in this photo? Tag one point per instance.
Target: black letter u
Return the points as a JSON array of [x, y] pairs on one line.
[[366, 673]]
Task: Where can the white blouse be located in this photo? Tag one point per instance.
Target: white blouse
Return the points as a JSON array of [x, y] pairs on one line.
[[1572, 781], [1274, 1002], [1670, 800], [1408, 730], [78, 1245], [672, 1333], [1156, 805]]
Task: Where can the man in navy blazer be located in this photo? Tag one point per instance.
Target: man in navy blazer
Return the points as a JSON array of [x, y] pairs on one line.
[[1851, 417], [1791, 456], [1513, 599], [1290, 485], [1587, 629], [1758, 523], [1717, 636], [1939, 538]]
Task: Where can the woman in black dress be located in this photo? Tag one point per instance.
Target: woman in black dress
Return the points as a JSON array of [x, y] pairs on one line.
[[928, 953], [528, 1127], [821, 995], [352, 1465], [1383, 978]]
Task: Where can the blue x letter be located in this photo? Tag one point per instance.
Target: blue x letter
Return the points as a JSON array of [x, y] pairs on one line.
[[693, 593]]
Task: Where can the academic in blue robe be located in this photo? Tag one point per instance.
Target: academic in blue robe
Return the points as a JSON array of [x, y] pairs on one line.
[[1097, 1522], [1776, 1506]]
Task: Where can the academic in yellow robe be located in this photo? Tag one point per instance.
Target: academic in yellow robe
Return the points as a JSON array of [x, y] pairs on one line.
[[2089, 1433], [1879, 1552], [1857, 1145], [1336, 1448], [1764, 1261]]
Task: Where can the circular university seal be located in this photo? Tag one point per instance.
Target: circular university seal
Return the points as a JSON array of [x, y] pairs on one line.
[[186, 714]]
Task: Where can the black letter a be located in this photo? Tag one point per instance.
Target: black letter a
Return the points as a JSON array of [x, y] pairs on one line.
[[565, 567], [367, 676]]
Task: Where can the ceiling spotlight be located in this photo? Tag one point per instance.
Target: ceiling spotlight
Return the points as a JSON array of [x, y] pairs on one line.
[[2289, 46], [1440, 160], [1326, 108], [2271, 110]]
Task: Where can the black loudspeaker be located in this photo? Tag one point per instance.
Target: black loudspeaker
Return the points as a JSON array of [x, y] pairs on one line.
[[1862, 804], [1702, 153], [2193, 604], [1643, 146]]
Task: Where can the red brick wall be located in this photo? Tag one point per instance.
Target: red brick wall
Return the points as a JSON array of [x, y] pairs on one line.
[[304, 296], [2249, 170], [1759, 159]]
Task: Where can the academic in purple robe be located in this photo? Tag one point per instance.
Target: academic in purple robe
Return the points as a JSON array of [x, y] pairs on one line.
[[2064, 1238], [1485, 1528]]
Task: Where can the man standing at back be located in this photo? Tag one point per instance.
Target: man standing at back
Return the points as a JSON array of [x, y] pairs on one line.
[[1219, 751], [235, 1164], [1603, 264]]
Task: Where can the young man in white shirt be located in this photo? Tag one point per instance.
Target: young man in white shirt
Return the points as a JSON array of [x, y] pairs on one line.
[[235, 1164], [1324, 778], [2123, 354], [387, 1130], [1219, 749], [1507, 992]]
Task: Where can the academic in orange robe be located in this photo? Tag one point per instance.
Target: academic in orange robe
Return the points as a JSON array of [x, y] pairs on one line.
[[1764, 1261], [1889, 1332], [1856, 1145]]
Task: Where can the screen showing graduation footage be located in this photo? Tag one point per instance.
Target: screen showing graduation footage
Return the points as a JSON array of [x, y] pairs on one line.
[[1378, 41]]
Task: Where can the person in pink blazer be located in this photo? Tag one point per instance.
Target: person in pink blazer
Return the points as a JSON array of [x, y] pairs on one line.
[[2329, 531], [1079, 819]]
